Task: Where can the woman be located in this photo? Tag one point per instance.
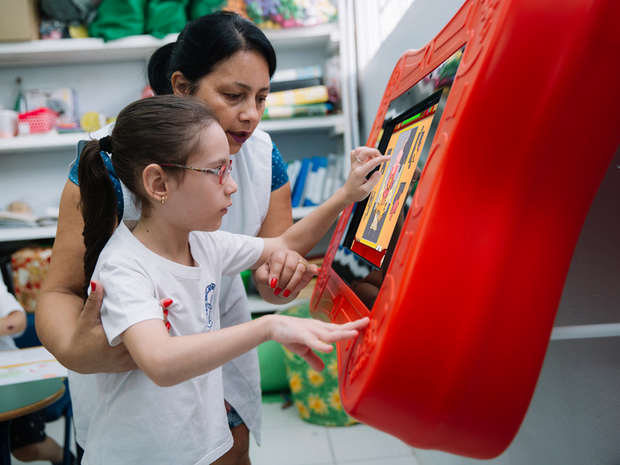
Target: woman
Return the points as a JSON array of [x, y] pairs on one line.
[[227, 62]]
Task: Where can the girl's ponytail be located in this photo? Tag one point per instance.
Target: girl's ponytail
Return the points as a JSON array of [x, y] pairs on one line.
[[98, 205]]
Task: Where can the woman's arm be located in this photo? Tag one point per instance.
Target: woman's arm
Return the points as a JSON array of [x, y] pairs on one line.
[[306, 233], [70, 330], [170, 360]]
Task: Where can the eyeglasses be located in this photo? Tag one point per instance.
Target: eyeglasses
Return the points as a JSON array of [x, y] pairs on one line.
[[222, 171]]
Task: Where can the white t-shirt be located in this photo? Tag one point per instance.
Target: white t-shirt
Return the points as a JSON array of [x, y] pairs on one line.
[[241, 376], [136, 421], [8, 305]]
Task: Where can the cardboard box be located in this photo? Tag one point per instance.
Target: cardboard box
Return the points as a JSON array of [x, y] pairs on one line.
[[19, 20]]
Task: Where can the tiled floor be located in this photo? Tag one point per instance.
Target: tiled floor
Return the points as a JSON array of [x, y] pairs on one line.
[[288, 440]]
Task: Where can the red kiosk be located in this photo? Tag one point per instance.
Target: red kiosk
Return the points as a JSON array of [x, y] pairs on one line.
[[511, 113]]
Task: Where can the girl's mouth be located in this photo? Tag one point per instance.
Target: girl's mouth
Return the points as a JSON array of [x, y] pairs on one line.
[[239, 136]]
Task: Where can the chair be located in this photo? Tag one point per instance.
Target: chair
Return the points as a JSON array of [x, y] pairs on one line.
[[62, 407]]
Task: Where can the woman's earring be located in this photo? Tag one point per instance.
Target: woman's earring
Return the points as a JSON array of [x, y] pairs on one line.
[[162, 199]]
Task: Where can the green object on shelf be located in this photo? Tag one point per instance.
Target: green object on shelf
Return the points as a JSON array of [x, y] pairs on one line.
[[272, 369], [245, 276], [119, 18], [316, 395], [165, 17]]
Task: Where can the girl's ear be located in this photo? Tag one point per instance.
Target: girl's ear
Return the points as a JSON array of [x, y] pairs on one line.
[[180, 85], [155, 181]]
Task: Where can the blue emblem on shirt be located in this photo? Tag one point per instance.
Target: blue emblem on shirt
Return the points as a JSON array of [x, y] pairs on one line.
[[209, 294]]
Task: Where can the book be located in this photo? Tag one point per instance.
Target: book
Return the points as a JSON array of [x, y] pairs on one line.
[[292, 170], [297, 74], [288, 85], [333, 177], [293, 111], [315, 94], [300, 183], [316, 182]]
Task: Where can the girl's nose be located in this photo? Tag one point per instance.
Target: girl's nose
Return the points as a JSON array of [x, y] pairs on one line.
[[230, 185]]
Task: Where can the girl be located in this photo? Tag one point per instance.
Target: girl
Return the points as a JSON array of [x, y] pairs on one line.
[[174, 157]]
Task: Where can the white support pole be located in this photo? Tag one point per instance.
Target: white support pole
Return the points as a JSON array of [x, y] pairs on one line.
[[585, 331]]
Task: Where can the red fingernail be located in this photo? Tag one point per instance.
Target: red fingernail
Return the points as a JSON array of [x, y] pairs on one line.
[[167, 325], [93, 286], [277, 291], [167, 303], [286, 293], [273, 283], [319, 270], [166, 312]]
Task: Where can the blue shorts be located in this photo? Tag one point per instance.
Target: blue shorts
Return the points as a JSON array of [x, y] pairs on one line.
[[234, 419]]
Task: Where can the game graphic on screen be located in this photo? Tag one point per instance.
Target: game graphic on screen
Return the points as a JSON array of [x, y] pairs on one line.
[[373, 230], [387, 198]]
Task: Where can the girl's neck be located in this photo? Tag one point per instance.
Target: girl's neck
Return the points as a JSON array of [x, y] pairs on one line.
[[166, 241]]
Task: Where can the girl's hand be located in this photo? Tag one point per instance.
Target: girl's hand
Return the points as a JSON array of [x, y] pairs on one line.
[[302, 335], [286, 272], [363, 161]]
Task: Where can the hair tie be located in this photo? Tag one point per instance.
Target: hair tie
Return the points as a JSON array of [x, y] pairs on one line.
[[105, 143]]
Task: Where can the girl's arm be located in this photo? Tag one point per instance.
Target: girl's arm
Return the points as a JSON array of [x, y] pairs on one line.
[[170, 360], [70, 330], [14, 323]]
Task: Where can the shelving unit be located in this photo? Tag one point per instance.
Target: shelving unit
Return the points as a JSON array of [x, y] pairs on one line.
[[55, 141], [49, 232], [108, 75]]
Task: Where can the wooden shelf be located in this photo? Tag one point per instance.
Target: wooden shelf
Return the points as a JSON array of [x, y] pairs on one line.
[[42, 142], [334, 122], [54, 141], [49, 232], [27, 233], [94, 50]]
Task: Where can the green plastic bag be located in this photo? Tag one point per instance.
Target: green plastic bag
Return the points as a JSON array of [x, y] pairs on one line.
[[316, 395], [119, 18], [165, 17], [200, 8]]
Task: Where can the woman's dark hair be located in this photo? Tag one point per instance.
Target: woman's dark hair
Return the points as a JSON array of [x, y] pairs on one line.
[[161, 129], [202, 45]]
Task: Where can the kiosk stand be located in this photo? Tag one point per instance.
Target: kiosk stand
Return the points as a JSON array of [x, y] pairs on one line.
[[511, 114]]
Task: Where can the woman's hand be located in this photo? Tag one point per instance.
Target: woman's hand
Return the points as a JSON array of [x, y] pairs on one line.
[[287, 273], [363, 161], [302, 335], [90, 341]]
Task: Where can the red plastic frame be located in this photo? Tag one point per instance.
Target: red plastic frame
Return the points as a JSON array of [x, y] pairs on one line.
[[460, 328]]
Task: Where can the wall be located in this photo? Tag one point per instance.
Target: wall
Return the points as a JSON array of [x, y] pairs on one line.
[[574, 417]]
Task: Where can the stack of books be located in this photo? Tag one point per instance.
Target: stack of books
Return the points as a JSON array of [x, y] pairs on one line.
[[314, 180], [297, 92]]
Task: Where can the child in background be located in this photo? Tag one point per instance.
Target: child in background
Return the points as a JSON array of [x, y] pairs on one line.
[[27, 434], [172, 155]]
